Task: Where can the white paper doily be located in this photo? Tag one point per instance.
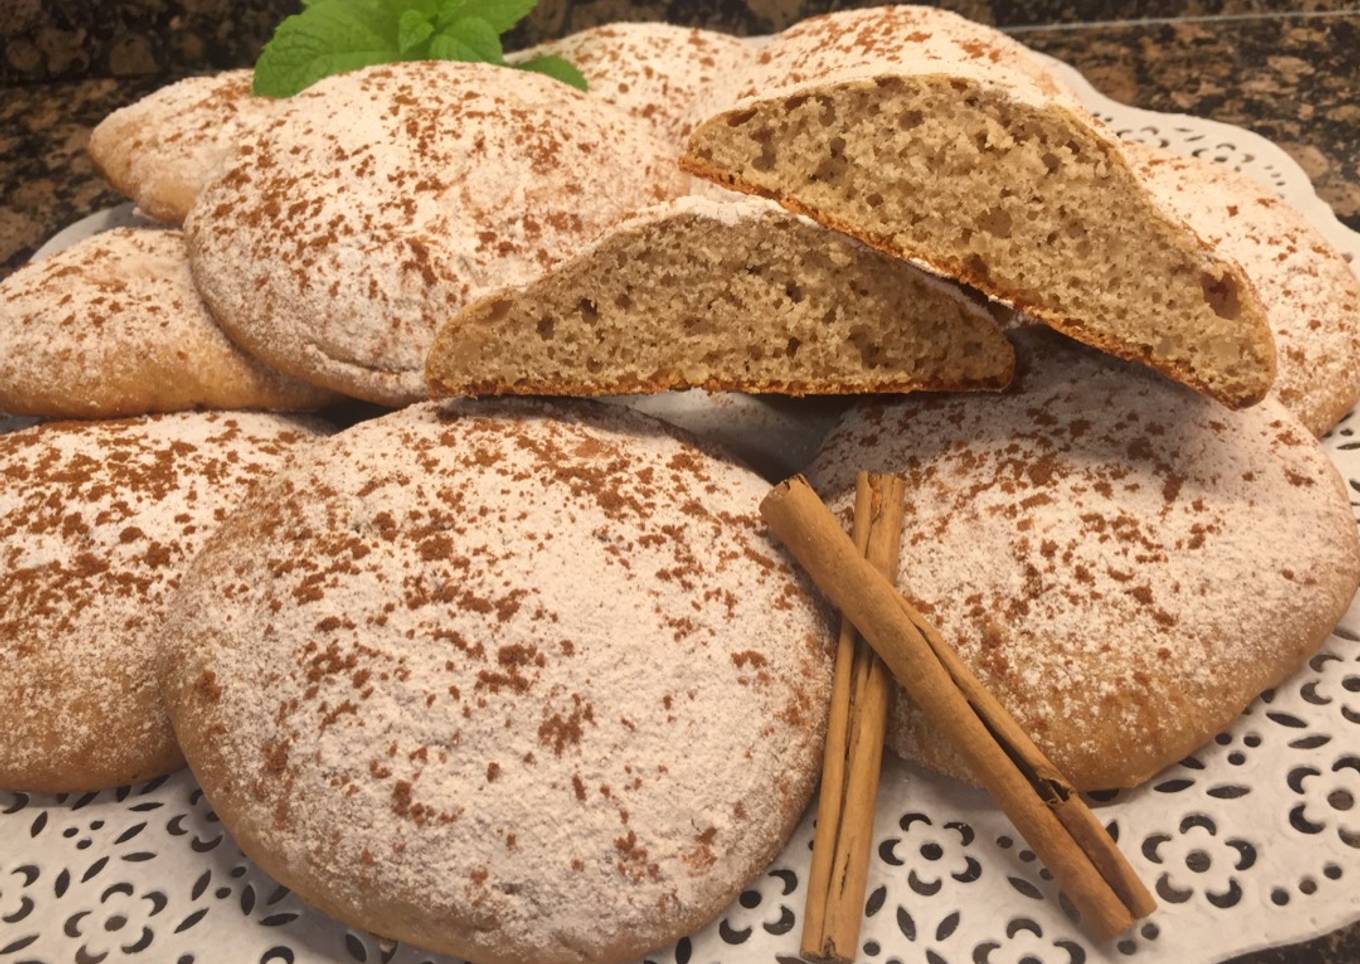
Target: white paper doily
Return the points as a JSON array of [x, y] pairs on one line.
[[1253, 841]]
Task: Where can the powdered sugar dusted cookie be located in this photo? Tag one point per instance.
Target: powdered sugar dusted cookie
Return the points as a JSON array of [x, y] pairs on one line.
[[516, 681], [1310, 293], [666, 75], [163, 149], [113, 326], [1124, 564], [373, 204], [97, 522]]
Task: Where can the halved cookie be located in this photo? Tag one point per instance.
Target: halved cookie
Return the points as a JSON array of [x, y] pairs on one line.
[[1310, 292], [945, 142], [1125, 564], [163, 149], [112, 326], [727, 297], [376, 203], [98, 521]]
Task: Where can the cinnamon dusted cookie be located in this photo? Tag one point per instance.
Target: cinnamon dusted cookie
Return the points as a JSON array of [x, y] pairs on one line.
[[663, 74], [520, 682], [372, 205], [1126, 565], [97, 522], [1310, 292], [112, 327], [162, 150]]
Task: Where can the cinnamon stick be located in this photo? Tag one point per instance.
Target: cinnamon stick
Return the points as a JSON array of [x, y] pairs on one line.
[[1052, 786], [870, 601], [860, 698]]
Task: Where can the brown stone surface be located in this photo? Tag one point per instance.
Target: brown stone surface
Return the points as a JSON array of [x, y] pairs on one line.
[[1294, 80]]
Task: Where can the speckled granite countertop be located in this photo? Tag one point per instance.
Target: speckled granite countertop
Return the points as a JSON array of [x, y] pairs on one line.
[[1292, 77]]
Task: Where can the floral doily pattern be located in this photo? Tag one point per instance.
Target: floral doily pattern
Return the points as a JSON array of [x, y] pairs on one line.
[[1255, 839]]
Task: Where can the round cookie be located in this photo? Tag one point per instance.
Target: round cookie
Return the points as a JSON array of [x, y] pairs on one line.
[[520, 682], [112, 326], [97, 522], [1124, 563], [663, 74], [1310, 293], [370, 207], [162, 150]]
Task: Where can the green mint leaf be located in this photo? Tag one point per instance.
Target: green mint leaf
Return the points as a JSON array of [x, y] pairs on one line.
[[412, 31], [426, 8], [501, 14], [556, 68], [469, 39], [328, 37]]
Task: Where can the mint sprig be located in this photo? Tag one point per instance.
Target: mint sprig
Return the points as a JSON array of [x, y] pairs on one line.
[[558, 68], [334, 36]]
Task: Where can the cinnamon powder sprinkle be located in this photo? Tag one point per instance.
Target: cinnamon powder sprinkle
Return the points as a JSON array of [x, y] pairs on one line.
[[1154, 553], [454, 675]]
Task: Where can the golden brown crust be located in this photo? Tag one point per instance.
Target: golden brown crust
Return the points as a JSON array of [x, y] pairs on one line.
[[676, 382]]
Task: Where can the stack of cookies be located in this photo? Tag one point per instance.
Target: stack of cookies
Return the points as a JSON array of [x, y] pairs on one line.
[[528, 679]]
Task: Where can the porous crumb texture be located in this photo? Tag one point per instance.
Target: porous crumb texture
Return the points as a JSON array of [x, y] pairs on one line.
[[370, 207], [1123, 563], [98, 520], [162, 150], [945, 142], [726, 297], [516, 681], [1310, 293], [665, 75], [113, 327]]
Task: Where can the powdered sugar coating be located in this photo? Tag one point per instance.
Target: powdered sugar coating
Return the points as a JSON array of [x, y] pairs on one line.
[[901, 40], [163, 149], [665, 75], [370, 206], [1310, 293], [97, 522], [112, 326], [516, 681], [1125, 564]]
